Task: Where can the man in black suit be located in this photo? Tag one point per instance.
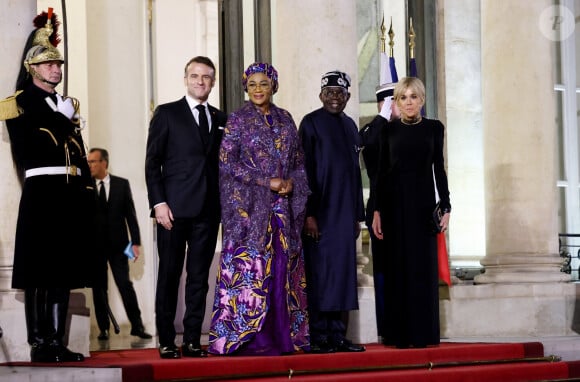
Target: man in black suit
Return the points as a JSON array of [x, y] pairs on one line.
[[181, 170], [115, 213]]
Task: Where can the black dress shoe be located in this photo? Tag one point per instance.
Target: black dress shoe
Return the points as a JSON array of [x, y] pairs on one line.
[[322, 347], [191, 350], [169, 352], [103, 335], [141, 333], [346, 346]]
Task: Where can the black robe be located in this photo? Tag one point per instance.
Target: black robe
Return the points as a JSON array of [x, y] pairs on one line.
[[331, 146], [405, 197]]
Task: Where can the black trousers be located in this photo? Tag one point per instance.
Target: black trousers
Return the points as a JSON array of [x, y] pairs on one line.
[[198, 236], [327, 326], [119, 264]]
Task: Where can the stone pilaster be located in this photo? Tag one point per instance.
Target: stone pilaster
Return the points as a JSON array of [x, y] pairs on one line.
[[13, 34], [519, 140], [522, 283], [300, 75], [112, 81], [322, 38], [15, 25], [459, 101]]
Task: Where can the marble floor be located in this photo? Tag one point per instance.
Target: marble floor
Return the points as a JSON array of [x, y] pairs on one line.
[[124, 340], [121, 341]]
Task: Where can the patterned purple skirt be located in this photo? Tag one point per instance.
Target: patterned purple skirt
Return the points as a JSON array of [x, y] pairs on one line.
[[260, 303]]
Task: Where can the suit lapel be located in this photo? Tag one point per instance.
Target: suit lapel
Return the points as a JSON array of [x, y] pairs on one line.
[[215, 125], [213, 128], [112, 191]]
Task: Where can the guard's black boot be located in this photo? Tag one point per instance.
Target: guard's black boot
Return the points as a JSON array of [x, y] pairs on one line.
[[35, 313], [61, 353], [39, 352], [58, 308]]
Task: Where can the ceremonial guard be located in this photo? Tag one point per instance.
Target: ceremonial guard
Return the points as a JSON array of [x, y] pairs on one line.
[[52, 245]]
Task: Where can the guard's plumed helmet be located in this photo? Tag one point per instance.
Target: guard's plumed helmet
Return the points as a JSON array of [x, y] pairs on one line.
[[44, 42]]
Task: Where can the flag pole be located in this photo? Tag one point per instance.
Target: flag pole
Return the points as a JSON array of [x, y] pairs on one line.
[[412, 63], [391, 38], [383, 36], [411, 39]]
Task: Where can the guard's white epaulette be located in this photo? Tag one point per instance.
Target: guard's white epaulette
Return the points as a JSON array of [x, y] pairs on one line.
[[9, 108]]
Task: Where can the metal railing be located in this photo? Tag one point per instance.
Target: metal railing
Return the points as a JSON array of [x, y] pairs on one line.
[[570, 252]]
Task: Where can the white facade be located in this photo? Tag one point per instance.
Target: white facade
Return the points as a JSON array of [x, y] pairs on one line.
[[126, 57]]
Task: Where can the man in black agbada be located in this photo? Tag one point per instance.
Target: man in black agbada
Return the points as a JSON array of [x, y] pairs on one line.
[[333, 214]]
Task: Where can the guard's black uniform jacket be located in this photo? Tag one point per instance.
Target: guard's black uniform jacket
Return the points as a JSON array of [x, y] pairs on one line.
[[371, 135], [54, 230]]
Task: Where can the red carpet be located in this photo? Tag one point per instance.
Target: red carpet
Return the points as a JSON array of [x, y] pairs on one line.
[[448, 362]]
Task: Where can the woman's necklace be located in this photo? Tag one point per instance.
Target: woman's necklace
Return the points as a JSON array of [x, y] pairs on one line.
[[412, 121]]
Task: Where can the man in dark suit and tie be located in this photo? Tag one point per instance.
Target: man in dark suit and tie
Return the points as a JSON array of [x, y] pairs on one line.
[[181, 170], [115, 213]]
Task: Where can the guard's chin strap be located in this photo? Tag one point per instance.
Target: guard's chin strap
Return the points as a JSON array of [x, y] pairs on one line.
[[39, 77], [50, 82]]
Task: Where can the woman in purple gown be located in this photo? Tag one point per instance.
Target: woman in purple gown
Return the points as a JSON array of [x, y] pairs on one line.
[[260, 301]]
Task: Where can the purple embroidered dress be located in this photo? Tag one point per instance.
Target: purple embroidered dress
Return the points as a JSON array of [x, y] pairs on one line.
[[260, 299]]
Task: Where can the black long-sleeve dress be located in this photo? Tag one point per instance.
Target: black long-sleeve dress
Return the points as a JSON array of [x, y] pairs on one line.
[[411, 156]]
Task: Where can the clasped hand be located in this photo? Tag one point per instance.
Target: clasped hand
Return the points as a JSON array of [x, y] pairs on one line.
[[164, 216], [281, 186], [378, 229], [65, 106]]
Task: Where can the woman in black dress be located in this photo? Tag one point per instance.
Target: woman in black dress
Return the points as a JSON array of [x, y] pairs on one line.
[[410, 167]]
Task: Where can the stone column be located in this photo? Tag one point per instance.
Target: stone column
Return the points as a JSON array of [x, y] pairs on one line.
[[13, 34], [118, 110], [459, 92], [15, 25], [522, 293], [321, 39], [519, 140], [231, 63], [263, 31]]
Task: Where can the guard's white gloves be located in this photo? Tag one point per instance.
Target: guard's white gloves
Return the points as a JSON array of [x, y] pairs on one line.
[[386, 110], [65, 106]]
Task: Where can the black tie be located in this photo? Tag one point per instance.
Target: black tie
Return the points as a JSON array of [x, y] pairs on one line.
[[203, 124], [102, 196]]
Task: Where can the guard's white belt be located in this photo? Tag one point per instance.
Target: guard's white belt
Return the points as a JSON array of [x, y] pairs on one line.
[[55, 170]]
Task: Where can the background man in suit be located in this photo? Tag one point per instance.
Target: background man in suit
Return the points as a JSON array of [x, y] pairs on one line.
[[115, 212], [181, 170]]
